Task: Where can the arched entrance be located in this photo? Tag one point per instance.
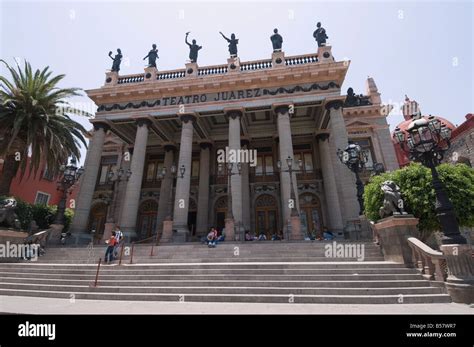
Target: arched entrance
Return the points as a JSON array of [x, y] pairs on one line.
[[147, 215], [97, 218], [310, 213], [220, 208], [266, 215]]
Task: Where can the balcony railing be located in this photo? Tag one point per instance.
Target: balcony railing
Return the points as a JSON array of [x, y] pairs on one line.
[[221, 69], [256, 65], [430, 263], [131, 79]]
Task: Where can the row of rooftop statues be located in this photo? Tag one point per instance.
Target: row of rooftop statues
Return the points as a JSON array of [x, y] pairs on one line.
[[277, 41]]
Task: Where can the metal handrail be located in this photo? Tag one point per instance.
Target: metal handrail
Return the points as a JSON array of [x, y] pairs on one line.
[[97, 273], [141, 241]]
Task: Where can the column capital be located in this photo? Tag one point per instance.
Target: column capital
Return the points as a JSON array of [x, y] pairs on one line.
[[322, 136], [143, 121], [101, 125], [205, 144], [234, 112], [282, 108], [170, 146], [187, 117], [334, 104]]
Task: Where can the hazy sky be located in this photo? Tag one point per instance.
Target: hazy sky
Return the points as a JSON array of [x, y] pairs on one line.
[[423, 49]]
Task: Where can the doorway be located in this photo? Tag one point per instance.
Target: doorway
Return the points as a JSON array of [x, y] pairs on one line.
[[220, 208], [266, 216], [147, 216], [310, 213], [97, 218]]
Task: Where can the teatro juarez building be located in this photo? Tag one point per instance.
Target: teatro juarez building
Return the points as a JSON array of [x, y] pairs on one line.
[[283, 106]]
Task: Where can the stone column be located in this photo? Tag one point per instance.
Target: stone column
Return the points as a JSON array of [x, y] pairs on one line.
[[166, 187], [387, 149], [345, 179], [245, 189], [236, 179], [203, 194], [330, 187], [88, 182], [128, 221], [183, 184], [286, 150]]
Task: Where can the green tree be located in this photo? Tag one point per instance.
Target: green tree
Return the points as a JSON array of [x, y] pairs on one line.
[[35, 117], [415, 183]]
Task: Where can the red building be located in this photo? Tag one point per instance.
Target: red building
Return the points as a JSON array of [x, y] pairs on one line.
[[39, 189]]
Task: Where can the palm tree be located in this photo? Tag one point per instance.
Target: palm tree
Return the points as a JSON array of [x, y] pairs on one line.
[[35, 119]]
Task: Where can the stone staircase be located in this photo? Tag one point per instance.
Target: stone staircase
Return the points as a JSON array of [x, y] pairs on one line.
[[269, 272]]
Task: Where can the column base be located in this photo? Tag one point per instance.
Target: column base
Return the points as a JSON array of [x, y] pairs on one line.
[[460, 281], [55, 235], [181, 234], [81, 238], [229, 229], [129, 234], [108, 228], [295, 228], [167, 235]]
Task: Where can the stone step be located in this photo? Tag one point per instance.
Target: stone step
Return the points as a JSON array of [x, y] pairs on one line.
[[223, 270], [263, 298], [353, 283], [226, 276], [287, 290], [144, 260], [221, 265]]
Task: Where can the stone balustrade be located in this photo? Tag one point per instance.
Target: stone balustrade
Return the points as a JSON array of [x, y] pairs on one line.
[[431, 263]]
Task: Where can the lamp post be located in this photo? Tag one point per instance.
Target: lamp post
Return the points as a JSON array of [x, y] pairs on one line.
[[289, 162], [70, 174], [425, 141], [354, 158], [230, 215], [229, 174], [115, 177], [172, 172]]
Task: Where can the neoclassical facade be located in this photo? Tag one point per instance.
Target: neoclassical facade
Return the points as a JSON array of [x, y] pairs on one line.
[[280, 107]]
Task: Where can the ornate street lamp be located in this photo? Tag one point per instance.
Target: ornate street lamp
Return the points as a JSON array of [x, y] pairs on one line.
[[115, 177], [70, 174], [172, 174], [289, 162], [229, 173], [355, 159], [427, 141]]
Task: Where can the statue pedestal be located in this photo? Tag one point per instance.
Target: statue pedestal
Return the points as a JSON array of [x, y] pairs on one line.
[[295, 228], [111, 78], [278, 59], [233, 65], [191, 69], [393, 232], [150, 74], [460, 281], [229, 229], [167, 235], [325, 55]]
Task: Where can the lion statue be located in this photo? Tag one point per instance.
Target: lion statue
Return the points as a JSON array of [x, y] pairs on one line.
[[393, 202], [8, 216]]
